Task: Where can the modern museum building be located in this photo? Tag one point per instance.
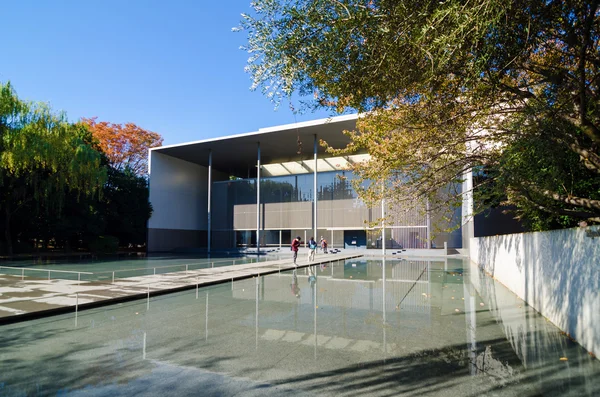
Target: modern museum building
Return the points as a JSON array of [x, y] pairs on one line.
[[270, 186]]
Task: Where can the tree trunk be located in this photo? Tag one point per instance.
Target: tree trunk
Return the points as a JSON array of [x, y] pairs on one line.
[[7, 234]]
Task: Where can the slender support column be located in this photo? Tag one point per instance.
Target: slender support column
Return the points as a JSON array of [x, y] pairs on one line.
[[331, 242], [467, 209], [209, 218], [428, 224], [382, 222], [315, 232], [258, 202], [280, 238]]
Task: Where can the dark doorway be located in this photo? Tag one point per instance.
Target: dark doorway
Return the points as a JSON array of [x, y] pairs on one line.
[[355, 239]]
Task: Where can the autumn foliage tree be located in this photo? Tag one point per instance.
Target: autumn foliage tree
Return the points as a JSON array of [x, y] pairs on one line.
[[125, 145], [125, 207]]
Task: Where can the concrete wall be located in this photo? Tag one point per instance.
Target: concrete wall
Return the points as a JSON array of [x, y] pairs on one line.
[[178, 194], [533, 339], [163, 240], [556, 272]]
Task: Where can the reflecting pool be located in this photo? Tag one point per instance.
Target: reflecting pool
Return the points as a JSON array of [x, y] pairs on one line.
[[403, 327]]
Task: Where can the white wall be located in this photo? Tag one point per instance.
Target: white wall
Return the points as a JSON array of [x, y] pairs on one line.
[[467, 224], [534, 340], [556, 272], [178, 194]]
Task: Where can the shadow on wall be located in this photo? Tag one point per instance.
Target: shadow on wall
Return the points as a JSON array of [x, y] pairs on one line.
[[534, 340], [556, 272]]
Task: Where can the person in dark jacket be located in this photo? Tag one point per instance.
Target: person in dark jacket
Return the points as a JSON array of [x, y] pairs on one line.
[[296, 247]]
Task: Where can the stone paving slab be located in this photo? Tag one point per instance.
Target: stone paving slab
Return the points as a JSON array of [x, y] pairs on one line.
[[23, 298]]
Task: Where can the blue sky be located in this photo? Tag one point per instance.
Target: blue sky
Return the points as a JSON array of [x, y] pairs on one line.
[[173, 67]]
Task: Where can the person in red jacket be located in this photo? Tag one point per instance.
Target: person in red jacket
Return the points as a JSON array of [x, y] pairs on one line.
[[295, 247]]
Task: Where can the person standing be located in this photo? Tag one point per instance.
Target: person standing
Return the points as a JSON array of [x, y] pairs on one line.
[[324, 246], [296, 247], [312, 248]]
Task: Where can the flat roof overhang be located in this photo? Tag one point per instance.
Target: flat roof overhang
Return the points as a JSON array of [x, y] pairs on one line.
[[237, 154]]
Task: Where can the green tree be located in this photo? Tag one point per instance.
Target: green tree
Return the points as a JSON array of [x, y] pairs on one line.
[[126, 207], [42, 158], [510, 87]]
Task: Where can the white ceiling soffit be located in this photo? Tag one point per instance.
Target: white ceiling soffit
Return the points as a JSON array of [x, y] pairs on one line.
[[307, 166], [274, 170], [358, 158], [339, 163], [294, 167], [322, 165]]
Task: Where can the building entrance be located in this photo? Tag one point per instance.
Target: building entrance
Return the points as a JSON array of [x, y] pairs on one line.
[[355, 239]]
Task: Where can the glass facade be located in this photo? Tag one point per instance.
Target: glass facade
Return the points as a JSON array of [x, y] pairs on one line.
[[287, 206], [288, 189]]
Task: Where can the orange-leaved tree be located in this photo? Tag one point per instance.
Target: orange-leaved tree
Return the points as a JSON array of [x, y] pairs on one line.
[[125, 145]]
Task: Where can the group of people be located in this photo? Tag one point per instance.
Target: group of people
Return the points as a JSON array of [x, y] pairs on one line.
[[312, 247]]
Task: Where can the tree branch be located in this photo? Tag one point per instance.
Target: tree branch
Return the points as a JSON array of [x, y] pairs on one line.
[[587, 126], [573, 200]]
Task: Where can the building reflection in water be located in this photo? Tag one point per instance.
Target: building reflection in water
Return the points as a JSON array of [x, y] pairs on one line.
[[416, 299], [401, 325], [361, 287]]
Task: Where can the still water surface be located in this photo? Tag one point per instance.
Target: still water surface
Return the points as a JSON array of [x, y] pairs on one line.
[[415, 328]]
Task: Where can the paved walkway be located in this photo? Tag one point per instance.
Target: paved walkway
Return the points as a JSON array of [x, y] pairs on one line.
[[26, 298]]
